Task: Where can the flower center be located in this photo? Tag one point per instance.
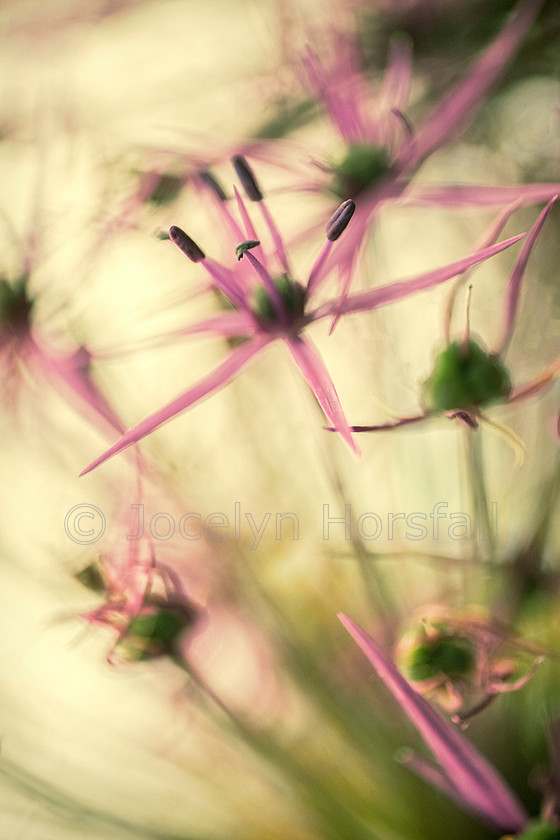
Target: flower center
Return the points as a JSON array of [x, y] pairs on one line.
[[450, 656], [166, 189], [15, 306], [465, 376], [362, 167], [292, 295], [155, 633]]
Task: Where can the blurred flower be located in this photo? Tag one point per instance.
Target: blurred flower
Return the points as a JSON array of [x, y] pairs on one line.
[[461, 773], [144, 602], [268, 304], [462, 659], [383, 151], [26, 352]]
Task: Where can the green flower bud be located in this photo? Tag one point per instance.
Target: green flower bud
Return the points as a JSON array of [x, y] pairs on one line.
[[444, 656], [465, 376], [156, 632]]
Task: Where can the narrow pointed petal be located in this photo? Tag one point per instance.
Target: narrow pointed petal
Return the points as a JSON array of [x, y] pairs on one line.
[[449, 115], [346, 272], [209, 385], [488, 238], [341, 109], [535, 385], [475, 195], [431, 773], [316, 374], [516, 279], [386, 427], [478, 786], [227, 282], [70, 374], [250, 232], [280, 251], [373, 298], [394, 424], [270, 286], [398, 75], [227, 325], [318, 273]]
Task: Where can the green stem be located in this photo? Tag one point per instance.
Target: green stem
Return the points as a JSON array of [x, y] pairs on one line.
[[337, 822], [379, 598], [484, 522]]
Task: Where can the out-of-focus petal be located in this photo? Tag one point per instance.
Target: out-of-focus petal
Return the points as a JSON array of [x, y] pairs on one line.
[[516, 279], [314, 370], [227, 282], [475, 195], [71, 375], [449, 115], [209, 385]]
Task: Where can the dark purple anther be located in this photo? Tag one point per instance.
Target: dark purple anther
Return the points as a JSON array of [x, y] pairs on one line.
[[212, 182], [247, 178], [340, 219], [187, 245]]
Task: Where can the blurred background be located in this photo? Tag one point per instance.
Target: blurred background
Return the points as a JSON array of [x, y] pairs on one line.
[[106, 111]]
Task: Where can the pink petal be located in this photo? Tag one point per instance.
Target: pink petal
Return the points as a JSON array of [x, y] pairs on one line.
[[318, 273], [488, 238], [394, 424], [250, 232], [449, 115], [398, 75], [346, 271], [209, 385], [71, 375], [314, 370], [341, 108], [270, 286], [394, 291], [535, 385], [474, 195], [276, 238], [229, 325], [478, 786], [227, 282], [516, 279], [433, 774]]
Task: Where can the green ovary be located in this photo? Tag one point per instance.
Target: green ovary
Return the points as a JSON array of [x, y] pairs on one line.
[[464, 377], [153, 634], [361, 168], [15, 305], [293, 298], [451, 657], [168, 187]]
